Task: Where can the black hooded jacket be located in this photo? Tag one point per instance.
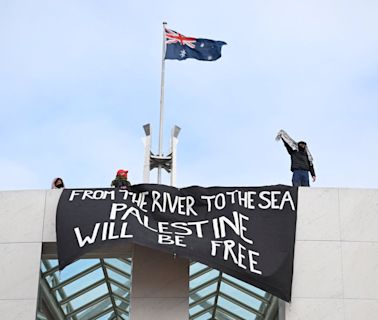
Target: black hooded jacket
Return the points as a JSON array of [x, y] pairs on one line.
[[119, 182], [299, 160]]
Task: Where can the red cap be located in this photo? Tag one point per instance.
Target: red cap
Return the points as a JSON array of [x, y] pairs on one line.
[[122, 173]]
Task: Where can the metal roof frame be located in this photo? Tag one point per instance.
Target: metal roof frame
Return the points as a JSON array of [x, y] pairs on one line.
[[213, 294]]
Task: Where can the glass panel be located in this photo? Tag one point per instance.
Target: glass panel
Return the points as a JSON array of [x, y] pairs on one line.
[[52, 263], [120, 303], [83, 282], [238, 290], [241, 296], [196, 267], [205, 316], [89, 296], [239, 311], [80, 285], [94, 310], [203, 305], [212, 274], [43, 267], [73, 269], [246, 285], [120, 291], [202, 293], [122, 279], [119, 264], [219, 314], [124, 313], [106, 316]]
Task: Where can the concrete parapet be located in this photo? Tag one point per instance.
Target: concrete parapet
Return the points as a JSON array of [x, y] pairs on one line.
[[335, 267]]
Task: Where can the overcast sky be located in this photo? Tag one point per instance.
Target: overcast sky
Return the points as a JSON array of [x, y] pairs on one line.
[[79, 79]]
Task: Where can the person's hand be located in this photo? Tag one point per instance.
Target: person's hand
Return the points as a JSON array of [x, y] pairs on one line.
[[278, 137], [313, 178]]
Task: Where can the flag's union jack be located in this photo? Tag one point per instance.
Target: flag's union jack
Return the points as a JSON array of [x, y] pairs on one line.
[[175, 37], [179, 47]]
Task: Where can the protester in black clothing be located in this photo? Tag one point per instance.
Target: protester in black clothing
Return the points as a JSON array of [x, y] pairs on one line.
[[301, 160], [121, 180]]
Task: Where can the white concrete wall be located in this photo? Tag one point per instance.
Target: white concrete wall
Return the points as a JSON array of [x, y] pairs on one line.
[[335, 267], [21, 230], [336, 255]]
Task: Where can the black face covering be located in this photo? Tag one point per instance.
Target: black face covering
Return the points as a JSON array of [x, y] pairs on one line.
[[301, 148], [59, 185]]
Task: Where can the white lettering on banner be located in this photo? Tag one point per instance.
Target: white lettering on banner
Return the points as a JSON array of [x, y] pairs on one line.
[[219, 226], [116, 207], [198, 225], [182, 226], [165, 203], [220, 201], [248, 232], [124, 234], [222, 227], [119, 207], [104, 231], [107, 233], [87, 239], [93, 194], [112, 236], [176, 240], [236, 252], [162, 227], [184, 205], [247, 199], [252, 262], [270, 197], [137, 198]]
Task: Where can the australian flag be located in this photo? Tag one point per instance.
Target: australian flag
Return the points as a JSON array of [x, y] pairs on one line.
[[180, 47]]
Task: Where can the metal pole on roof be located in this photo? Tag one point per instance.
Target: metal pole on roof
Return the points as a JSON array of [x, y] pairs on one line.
[[161, 103]]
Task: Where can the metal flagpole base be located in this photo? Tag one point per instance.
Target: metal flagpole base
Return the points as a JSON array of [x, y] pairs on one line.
[[160, 161], [160, 281]]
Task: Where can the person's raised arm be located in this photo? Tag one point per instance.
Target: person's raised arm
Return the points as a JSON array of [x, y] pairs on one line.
[[288, 148], [282, 135]]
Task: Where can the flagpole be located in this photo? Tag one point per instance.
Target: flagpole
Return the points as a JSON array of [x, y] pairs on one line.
[[161, 103]]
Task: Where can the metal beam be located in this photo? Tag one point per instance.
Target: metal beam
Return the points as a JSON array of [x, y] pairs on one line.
[[50, 301], [108, 285], [272, 311]]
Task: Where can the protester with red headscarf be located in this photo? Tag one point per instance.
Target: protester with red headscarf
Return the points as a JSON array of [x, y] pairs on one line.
[[121, 180]]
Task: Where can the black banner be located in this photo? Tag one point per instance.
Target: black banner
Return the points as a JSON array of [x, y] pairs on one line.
[[246, 232]]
